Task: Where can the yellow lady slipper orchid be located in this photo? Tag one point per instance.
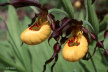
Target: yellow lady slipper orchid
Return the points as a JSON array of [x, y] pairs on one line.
[[75, 48], [37, 33]]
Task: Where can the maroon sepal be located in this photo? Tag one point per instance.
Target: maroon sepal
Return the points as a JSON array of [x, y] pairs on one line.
[[101, 14], [48, 61], [57, 48], [106, 34], [100, 44], [22, 3], [57, 38], [65, 22], [33, 20], [54, 24], [106, 52], [63, 40], [93, 36], [56, 59], [88, 55], [68, 31], [57, 24], [87, 37], [52, 19], [85, 30], [64, 19], [57, 32]]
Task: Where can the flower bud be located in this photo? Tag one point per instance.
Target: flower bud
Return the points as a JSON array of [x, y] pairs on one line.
[[77, 4]]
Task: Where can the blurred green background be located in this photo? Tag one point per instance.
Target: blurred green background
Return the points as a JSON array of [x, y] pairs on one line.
[[26, 58]]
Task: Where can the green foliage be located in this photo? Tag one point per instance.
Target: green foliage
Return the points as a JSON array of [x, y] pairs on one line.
[[54, 10], [91, 15], [68, 7], [106, 43], [103, 25], [2, 1]]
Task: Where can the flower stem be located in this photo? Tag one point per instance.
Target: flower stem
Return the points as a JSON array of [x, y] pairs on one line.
[[67, 5], [93, 63]]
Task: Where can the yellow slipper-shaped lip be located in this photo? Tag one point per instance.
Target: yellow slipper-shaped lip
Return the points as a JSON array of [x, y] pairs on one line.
[[36, 34], [76, 52]]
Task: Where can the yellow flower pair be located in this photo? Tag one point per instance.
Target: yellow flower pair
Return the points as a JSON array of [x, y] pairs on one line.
[[75, 48]]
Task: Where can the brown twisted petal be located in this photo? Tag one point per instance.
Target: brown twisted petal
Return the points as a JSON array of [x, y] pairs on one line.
[[106, 34], [22, 3], [106, 52]]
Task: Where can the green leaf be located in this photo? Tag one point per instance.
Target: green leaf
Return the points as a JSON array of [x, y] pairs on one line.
[[101, 35], [79, 15], [103, 24], [88, 25], [67, 5], [25, 23], [106, 43], [55, 10], [43, 1], [14, 30], [6, 57], [58, 14], [92, 18], [10, 63], [34, 9], [5, 49]]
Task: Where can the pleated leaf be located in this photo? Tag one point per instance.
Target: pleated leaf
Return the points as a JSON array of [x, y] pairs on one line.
[[14, 28], [92, 18]]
